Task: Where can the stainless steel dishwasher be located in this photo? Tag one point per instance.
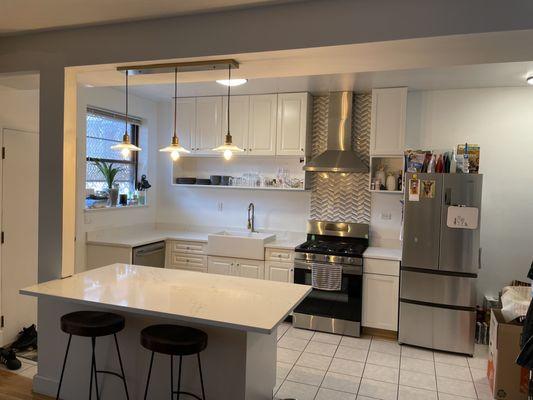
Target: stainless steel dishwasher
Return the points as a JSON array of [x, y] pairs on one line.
[[150, 255]]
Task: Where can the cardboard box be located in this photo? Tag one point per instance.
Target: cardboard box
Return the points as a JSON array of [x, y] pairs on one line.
[[507, 380]]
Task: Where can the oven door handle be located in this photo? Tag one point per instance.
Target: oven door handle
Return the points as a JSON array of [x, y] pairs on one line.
[[346, 269]]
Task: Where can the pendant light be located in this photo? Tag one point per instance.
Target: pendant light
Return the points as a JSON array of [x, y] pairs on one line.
[[126, 146], [228, 147], [175, 147]]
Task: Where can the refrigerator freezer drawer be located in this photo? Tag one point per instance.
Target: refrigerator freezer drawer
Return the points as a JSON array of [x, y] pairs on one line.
[[438, 288], [437, 328]]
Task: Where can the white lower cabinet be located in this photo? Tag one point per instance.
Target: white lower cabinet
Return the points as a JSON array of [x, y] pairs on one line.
[[236, 267], [279, 272], [185, 255], [381, 296]]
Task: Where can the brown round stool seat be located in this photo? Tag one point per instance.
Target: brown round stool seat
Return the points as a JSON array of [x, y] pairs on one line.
[[173, 340], [92, 323]]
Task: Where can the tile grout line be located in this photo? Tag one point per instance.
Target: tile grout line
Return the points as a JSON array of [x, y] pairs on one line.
[[364, 366], [399, 369], [329, 365]]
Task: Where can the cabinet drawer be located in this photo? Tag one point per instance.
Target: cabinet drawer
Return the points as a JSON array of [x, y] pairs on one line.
[[281, 255], [188, 247], [189, 259], [189, 267], [382, 267]]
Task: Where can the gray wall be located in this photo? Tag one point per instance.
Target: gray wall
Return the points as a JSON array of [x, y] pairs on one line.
[[285, 26]]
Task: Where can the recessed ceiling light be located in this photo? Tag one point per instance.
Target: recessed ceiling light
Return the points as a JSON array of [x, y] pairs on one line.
[[529, 79], [232, 82]]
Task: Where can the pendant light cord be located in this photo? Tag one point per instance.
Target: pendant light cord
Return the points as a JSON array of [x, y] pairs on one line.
[[229, 93], [175, 100], [127, 76]]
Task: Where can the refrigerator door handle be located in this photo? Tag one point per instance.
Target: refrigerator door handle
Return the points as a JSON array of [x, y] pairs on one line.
[[448, 196], [479, 258]]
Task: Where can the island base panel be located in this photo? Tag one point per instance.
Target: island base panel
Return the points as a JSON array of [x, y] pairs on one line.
[[236, 365]]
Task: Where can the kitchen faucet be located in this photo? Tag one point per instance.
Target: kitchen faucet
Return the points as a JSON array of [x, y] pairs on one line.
[[251, 217]]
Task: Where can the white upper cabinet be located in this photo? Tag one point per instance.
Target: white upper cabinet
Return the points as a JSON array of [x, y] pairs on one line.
[[208, 124], [239, 120], [292, 123], [186, 123], [388, 121], [262, 125]]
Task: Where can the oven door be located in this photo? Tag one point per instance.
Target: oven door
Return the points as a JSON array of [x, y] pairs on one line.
[[344, 304]]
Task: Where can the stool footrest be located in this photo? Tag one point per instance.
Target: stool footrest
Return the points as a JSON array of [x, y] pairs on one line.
[[110, 373], [188, 394]]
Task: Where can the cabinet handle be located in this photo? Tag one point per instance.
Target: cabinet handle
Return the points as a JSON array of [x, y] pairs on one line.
[[301, 149], [250, 149], [187, 260]]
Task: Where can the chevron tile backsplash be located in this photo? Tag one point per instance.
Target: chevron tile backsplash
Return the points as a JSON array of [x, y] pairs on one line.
[[334, 196]]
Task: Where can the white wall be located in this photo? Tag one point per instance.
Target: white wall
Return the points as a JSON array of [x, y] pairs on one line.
[[19, 109], [112, 99], [274, 210], [500, 120]]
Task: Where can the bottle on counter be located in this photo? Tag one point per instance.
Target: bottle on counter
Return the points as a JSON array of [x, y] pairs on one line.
[[431, 165], [439, 167], [453, 163], [391, 182]]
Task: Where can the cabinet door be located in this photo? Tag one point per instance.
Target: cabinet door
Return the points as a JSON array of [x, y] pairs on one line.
[[220, 265], [208, 124], [380, 301], [239, 120], [387, 136], [186, 123], [249, 268], [292, 124], [279, 272], [262, 123]]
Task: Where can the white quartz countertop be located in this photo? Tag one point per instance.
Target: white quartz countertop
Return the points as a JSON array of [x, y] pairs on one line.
[[383, 253], [225, 301], [140, 237]]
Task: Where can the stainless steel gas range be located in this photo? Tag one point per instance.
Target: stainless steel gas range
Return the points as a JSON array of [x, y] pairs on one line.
[[331, 260]]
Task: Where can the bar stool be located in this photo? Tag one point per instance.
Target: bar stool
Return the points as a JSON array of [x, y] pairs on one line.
[[93, 324], [174, 340]]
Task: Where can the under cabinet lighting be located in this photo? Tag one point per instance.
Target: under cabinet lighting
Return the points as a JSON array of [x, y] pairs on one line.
[[232, 82]]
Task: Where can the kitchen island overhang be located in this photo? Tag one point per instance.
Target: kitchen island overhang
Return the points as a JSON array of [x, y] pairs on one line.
[[240, 315]]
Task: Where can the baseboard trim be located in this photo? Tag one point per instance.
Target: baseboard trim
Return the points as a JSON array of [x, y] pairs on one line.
[[45, 386], [384, 333]]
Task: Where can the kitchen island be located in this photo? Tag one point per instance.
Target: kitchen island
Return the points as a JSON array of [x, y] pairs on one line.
[[239, 315]]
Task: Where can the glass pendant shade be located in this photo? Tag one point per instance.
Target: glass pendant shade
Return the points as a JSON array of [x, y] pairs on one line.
[[126, 147], [175, 148], [228, 148]]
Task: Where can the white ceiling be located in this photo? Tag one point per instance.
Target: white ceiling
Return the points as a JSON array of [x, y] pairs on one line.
[[18, 16], [472, 76]]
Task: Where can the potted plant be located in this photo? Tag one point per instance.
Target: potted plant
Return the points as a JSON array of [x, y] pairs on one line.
[[109, 174]]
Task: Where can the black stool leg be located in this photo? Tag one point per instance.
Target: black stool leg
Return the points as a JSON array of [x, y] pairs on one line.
[[63, 368], [179, 379], [93, 370], [149, 373], [121, 367], [172, 377], [201, 377]]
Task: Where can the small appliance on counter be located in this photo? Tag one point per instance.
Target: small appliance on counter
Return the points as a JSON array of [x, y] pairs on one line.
[[331, 260], [440, 261]]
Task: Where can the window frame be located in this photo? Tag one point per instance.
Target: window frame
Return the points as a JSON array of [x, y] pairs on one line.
[[134, 130]]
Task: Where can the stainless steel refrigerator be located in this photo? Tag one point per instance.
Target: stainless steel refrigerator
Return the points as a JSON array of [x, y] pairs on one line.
[[440, 261]]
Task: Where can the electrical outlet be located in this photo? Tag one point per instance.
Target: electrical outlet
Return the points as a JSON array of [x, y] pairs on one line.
[[386, 216], [220, 206]]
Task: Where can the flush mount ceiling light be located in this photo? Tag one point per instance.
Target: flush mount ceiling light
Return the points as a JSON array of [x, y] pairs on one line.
[[529, 79], [228, 148], [126, 147], [232, 82], [175, 147]]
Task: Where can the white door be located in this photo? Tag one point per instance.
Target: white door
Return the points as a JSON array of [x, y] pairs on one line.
[[279, 272], [186, 123], [239, 113], [220, 265], [291, 124], [208, 124], [388, 115], [20, 203], [250, 268], [262, 132], [380, 301]]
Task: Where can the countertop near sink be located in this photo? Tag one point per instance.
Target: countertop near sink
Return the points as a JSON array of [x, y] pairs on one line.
[[383, 253], [141, 235]]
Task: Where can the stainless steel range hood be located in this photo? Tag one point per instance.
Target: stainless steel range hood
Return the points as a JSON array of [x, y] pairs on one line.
[[339, 156]]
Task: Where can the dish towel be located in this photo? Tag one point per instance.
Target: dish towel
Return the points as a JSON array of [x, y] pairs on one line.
[[326, 276]]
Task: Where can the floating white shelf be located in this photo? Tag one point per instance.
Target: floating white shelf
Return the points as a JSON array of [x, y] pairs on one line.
[[240, 187], [387, 191]]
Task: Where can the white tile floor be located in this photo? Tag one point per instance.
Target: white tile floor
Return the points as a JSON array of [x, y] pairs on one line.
[[320, 366], [27, 369]]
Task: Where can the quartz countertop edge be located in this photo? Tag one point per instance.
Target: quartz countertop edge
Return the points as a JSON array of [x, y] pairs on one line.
[[383, 253], [131, 240], [101, 287]]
